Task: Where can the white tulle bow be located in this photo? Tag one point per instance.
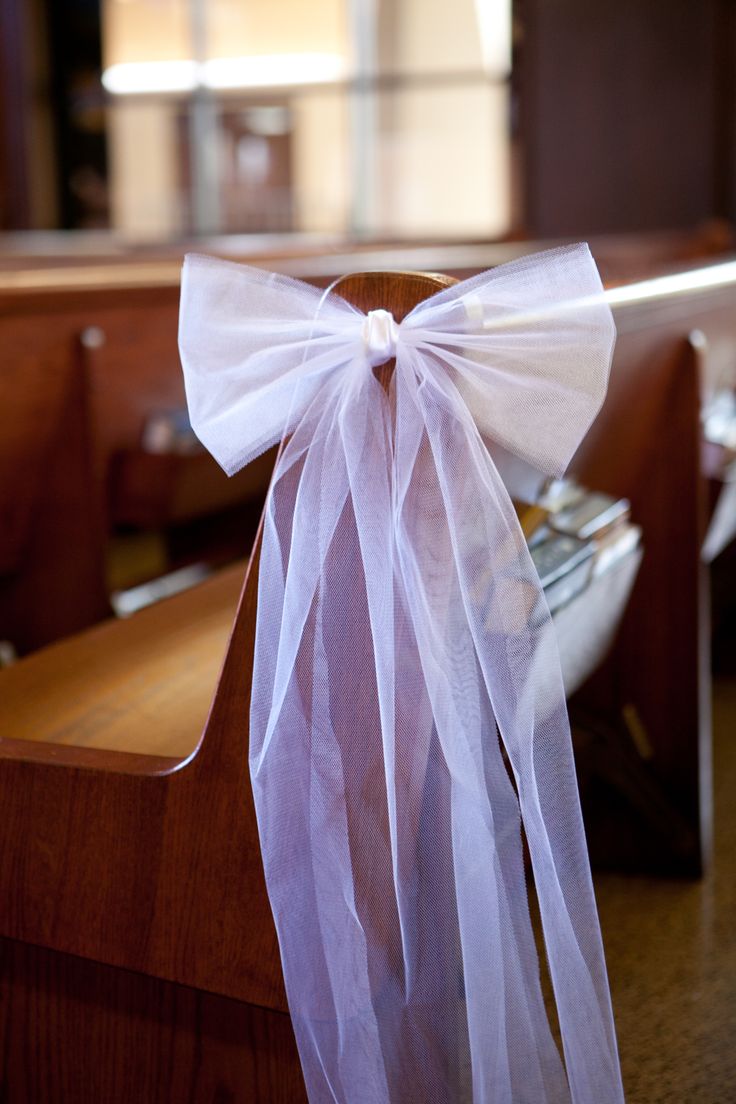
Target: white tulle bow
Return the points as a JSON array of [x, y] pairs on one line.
[[407, 710]]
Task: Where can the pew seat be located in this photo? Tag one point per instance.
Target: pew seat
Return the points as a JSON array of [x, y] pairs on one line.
[[142, 685]]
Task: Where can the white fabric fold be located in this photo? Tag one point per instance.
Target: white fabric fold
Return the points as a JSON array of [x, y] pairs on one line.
[[407, 710]]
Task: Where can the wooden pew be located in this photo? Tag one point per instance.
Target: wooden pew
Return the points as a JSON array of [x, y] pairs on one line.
[[664, 702], [84, 368], [124, 306], [646, 445], [138, 958]]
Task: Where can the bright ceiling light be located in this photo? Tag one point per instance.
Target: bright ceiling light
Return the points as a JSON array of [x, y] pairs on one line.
[[256, 71]]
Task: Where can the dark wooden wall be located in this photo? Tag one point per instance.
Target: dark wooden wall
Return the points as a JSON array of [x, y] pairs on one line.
[[627, 113], [14, 199]]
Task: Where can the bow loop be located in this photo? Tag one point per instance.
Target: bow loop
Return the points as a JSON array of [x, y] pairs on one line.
[[255, 349], [527, 347]]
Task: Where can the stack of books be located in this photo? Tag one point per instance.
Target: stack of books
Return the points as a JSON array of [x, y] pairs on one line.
[[575, 535]]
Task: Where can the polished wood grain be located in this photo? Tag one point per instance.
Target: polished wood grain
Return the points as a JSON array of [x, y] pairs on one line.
[[142, 685], [153, 872], [51, 514], [402, 290], [77, 1032], [85, 372], [646, 445]]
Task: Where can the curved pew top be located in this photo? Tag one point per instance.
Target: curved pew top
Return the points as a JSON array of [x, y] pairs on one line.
[[142, 686]]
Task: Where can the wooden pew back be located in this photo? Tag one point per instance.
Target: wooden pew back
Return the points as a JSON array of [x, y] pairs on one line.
[[646, 446], [84, 369], [51, 536]]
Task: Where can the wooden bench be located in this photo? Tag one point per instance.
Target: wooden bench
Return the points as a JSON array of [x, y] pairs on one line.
[[133, 912], [658, 695], [85, 370], [138, 958]]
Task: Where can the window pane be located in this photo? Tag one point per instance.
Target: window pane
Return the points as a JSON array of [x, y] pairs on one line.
[[245, 115]]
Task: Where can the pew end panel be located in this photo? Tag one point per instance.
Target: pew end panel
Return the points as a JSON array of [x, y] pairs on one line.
[[134, 886], [645, 446], [138, 958], [149, 863], [88, 364]]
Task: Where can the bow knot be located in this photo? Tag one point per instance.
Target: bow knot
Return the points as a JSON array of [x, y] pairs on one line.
[[380, 334], [523, 350]]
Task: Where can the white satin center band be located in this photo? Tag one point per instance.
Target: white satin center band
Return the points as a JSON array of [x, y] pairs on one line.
[[380, 334]]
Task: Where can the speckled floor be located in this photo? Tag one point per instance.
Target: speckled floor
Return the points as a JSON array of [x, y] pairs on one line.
[[671, 952]]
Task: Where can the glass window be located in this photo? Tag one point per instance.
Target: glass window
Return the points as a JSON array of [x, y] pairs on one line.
[[345, 117]]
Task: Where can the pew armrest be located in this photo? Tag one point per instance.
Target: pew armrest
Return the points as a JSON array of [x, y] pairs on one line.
[[84, 758], [131, 695]]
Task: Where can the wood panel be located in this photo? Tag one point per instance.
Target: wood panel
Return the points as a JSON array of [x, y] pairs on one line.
[[646, 445], [152, 871], [51, 527], [82, 373], [143, 685], [618, 114], [76, 1032]]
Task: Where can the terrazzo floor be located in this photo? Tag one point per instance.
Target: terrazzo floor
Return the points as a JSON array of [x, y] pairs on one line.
[[671, 952]]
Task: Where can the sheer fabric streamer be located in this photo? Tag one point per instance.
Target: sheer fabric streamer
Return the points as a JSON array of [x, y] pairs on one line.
[[407, 711]]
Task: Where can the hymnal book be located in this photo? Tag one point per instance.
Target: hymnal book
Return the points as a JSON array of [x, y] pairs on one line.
[[558, 494], [564, 566], [614, 545], [591, 516]]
